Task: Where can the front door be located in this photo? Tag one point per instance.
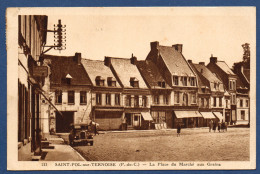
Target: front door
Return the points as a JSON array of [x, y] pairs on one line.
[[63, 121], [137, 120]]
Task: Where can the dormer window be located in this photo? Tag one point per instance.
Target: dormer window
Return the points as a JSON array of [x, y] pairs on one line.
[[68, 79], [176, 80], [184, 81], [100, 81], [111, 81], [161, 84], [134, 82], [192, 81]]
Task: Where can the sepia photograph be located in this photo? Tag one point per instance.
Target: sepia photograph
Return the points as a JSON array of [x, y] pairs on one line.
[[131, 88]]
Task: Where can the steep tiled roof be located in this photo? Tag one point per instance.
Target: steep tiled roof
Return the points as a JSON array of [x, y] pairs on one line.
[[175, 61], [125, 70], [61, 66], [225, 67], [151, 74], [96, 68], [202, 81], [207, 73]]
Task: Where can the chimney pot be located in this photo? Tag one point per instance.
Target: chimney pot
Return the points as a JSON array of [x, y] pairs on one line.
[[107, 61], [154, 45], [178, 47], [202, 63], [189, 61], [133, 60], [77, 58], [213, 59]]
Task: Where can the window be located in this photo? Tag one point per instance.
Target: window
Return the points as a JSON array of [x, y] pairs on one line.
[[193, 98], [100, 81], [135, 118], [242, 115], [117, 99], [71, 97], [230, 85], [136, 101], [108, 99], [58, 97], [192, 81], [83, 97], [234, 85], [128, 100], [98, 99], [220, 101], [215, 86], [177, 97], [176, 80], [247, 103], [184, 82], [241, 102], [156, 99], [206, 102], [226, 103], [165, 99], [202, 102], [134, 82], [144, 101], [234, 99], [214, 101], [111, 82]]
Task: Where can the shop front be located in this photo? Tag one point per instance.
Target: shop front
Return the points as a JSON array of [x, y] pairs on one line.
[[207, 117], [188, 119], [109, 119]]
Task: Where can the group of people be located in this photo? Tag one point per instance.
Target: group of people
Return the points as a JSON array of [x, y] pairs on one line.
[[214, 125]]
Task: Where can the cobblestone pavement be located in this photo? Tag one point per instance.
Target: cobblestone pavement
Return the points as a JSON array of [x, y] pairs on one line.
[[163, 145]]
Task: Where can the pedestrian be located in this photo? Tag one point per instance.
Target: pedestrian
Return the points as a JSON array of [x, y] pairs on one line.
[[214, 126], [178, 130], [226, 125], [210, 125], [219, 126], [223, 126]]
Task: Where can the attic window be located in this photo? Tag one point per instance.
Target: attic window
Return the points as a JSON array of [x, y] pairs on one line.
[[68, 79], [134, 82], [100, 81], [111, 82], [161, 84]]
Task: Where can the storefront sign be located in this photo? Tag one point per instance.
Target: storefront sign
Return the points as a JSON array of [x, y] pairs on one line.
[[40, 71]]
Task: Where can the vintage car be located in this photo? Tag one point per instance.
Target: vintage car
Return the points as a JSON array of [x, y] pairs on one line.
[[80, 134]]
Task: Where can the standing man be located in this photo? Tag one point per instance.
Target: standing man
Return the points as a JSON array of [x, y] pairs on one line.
[[210, 125], [178, 130]]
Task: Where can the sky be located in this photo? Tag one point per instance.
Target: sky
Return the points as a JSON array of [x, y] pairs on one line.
[[119, 32]]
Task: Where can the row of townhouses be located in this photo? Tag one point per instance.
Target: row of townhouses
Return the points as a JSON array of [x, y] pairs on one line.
[[121, 93]]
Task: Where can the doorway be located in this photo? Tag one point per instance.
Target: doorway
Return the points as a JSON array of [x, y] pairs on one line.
[[63, 121]]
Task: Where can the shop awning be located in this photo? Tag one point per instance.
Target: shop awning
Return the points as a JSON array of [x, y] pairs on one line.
[[147, 116], [187, 114], [207, 115], [218, 115], [109, 109]]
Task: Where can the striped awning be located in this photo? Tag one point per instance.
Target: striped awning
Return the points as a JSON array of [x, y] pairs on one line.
[[218, 115]]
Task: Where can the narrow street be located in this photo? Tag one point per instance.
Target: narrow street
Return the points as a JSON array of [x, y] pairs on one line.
[[164, 145]]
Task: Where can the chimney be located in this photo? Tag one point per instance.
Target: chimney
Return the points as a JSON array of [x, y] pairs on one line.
[[202, 63], [190, 61], [213, 59], [154, 45], [77, 58], [107, 61], [133, 59], [178, 47]]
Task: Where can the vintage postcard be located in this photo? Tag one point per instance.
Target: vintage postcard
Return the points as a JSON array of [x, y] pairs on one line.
[[120, 88]]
